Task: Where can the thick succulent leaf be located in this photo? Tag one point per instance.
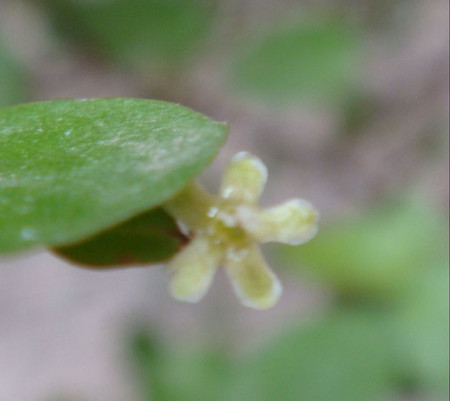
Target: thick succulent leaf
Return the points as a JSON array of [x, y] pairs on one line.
[[72, 168], [135, 30], [151, 237], [316, 60]]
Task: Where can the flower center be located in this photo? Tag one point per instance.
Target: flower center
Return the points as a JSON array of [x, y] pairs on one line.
[[223, 226]]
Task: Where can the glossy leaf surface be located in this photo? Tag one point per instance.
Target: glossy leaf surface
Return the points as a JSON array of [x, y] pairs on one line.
[[72, 168]]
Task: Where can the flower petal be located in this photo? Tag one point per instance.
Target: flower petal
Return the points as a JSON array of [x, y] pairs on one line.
[[244, 179], [293, 222], [193, 269], [253, 282], [191, 206]]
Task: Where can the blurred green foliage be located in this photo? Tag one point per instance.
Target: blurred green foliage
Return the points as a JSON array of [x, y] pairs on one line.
[[174, 374], [421, 320], [376, 254], [313, 60], [342, 357], [350, 354], [13, 82], [135, 31]]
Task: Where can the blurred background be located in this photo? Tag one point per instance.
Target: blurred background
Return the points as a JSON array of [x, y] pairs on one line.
[[347, 103]]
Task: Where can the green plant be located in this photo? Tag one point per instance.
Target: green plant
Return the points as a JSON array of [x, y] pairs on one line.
[[99, 180]]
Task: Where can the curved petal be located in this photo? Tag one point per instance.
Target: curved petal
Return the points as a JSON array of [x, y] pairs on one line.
[[253, 282], [244, 179], [293, 222], [193, 269], [191, 206]]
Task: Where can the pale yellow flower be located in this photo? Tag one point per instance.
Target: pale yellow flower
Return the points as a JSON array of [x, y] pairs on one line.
[[226, 229]]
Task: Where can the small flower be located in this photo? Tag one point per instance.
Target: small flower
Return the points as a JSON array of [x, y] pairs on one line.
[[226, 229]]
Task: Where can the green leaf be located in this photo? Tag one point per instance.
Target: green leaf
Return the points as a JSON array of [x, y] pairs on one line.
[[12, 79], [340, 358], [317, 60], [146, 354], [200, 375], [421, 322], [72, 168], [146, 239], [374, 255], [178, 373], [135, 30]]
